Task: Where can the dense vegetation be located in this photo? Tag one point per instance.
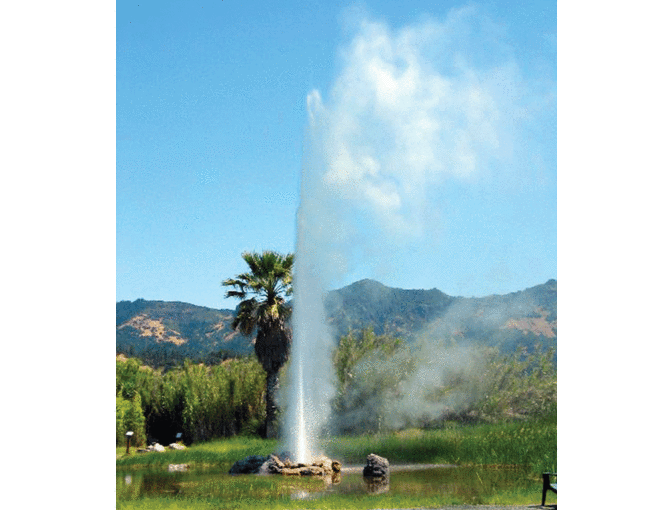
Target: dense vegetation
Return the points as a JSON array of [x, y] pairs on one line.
[[373, 372], [202, 402], [428, 383]]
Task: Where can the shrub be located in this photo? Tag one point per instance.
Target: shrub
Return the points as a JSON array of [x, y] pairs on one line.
[[199, 401], [130, 417], [522, 385]]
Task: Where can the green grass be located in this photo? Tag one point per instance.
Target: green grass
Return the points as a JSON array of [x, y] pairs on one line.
[[219, 452], [336, 502], [531, 445]]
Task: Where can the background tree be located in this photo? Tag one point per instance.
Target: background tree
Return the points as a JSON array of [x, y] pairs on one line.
[[263, 291]]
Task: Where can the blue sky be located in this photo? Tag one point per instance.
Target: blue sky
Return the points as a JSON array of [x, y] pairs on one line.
[[211, 119]]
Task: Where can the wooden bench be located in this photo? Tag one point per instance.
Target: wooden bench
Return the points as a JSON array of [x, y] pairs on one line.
[[548, 486]]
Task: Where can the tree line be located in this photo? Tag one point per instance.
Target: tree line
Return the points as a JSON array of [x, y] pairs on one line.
[[205, 402], [200, 402]]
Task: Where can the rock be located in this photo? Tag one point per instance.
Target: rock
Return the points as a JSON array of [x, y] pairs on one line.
[[303, 471], [376, 467], [172, 468], [325, 463], [156, 447], [282, 465], [175, 446], [272, 466], [313, 471], [249, 465]]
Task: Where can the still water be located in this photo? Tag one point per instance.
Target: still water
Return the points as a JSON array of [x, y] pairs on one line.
[[471, 485]]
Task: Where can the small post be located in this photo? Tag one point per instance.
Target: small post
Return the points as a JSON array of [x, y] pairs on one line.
[[178, 436], [128, 441]]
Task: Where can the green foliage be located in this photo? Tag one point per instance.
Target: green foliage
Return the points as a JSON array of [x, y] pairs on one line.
[[123, 407], [521, 385], [373, 373], [262, 290], [355, 346], [130, 414], [376, 373], [362, 386], [531, 444], [199, 401], [130, 418]]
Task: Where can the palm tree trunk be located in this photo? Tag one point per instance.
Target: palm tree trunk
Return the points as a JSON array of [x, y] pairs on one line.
[[272, 385]]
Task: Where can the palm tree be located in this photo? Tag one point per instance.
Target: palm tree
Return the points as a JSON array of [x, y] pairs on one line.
[[263, 309]]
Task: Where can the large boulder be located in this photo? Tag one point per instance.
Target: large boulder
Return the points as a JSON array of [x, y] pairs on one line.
[[272, 466], [249, 465], [376, 467]]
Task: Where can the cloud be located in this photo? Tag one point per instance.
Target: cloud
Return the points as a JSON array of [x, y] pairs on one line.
[[401, 119]]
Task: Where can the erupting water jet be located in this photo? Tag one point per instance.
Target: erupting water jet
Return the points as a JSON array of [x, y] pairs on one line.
[[410, 111]]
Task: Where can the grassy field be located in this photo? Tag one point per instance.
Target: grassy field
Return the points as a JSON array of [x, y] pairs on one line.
[[502, 465], [220, 452], [527, 445]]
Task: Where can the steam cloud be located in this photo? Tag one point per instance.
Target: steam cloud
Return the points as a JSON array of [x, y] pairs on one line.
[[411, 111], [433, 361]]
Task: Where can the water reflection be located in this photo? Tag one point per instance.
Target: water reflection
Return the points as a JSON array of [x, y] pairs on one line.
[[300, 495], [378, 485], [469, 484]]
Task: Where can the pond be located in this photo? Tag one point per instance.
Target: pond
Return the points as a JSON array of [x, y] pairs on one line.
[[419, 485]]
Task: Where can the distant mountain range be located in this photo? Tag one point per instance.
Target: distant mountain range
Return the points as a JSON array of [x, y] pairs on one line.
[[162, 333]]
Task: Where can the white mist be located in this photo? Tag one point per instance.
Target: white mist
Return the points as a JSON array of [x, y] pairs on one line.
[[408, 113]]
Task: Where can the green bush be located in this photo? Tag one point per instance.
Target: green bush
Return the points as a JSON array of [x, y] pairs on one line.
[[201, 402], [384, 384], [363, 387], [130, 418], [520, 386]]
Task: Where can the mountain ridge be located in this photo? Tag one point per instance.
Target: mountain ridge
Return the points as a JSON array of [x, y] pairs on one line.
[[162, 332]]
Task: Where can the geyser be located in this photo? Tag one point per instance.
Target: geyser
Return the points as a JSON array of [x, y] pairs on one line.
[[410, 110], [310, 371]]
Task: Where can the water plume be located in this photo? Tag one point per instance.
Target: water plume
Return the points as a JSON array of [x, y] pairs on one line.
[[411, 110]]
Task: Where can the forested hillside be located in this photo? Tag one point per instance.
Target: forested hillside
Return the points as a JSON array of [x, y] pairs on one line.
[[164, 333]]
